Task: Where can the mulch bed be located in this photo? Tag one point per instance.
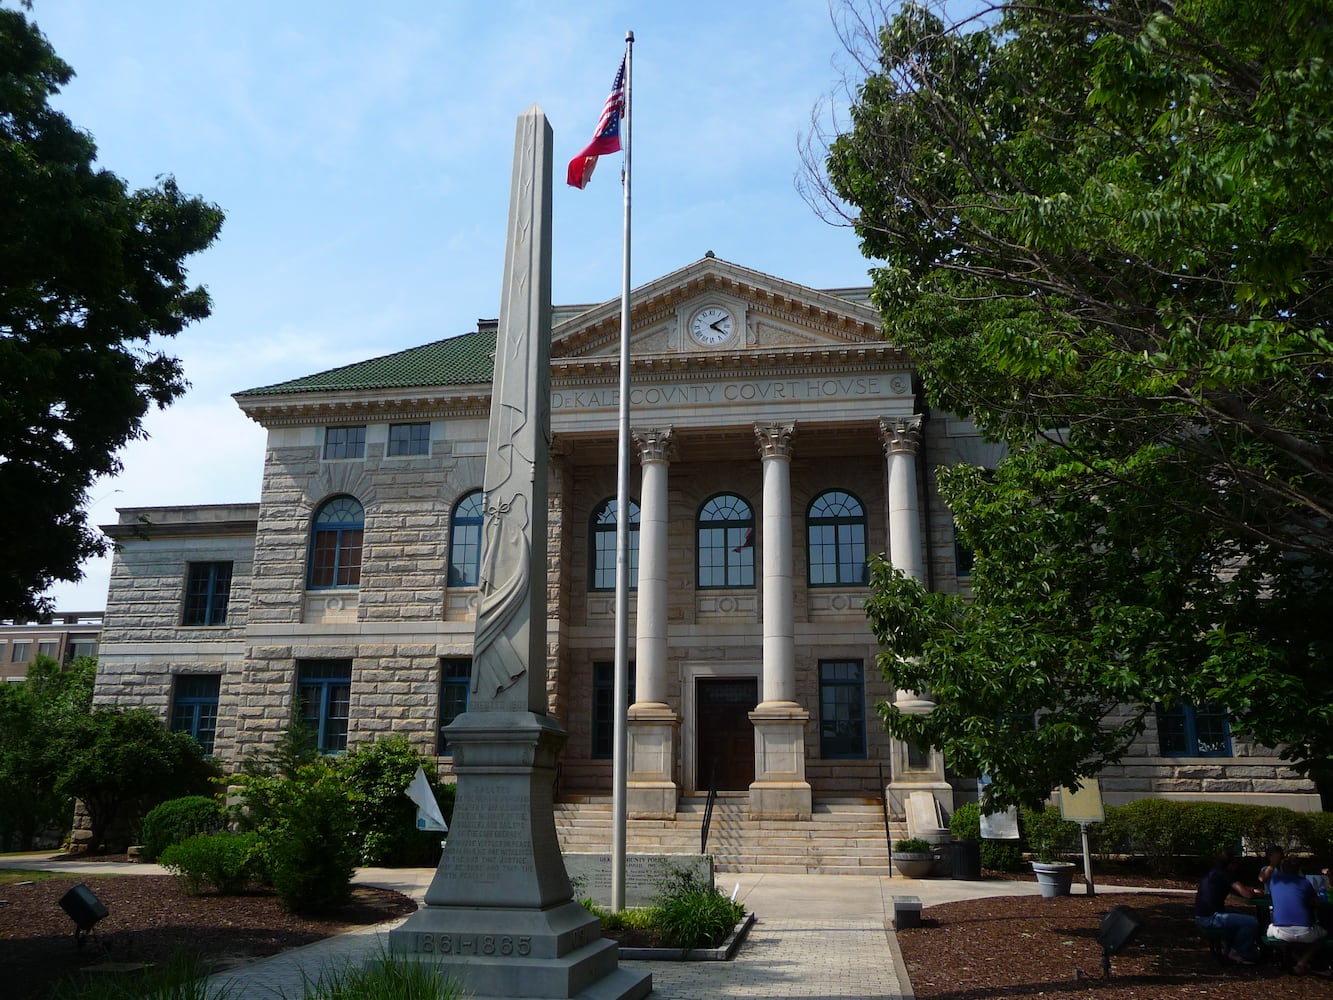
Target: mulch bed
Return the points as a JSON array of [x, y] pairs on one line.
[[1028, 946], [151, 918]]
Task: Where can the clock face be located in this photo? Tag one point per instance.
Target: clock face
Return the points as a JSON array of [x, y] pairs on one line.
[[711, 326]]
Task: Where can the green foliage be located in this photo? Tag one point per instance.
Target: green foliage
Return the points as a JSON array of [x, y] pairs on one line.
[[120, 764], [184, 976], [996, 855], [692, 914], [225, 861], [911, 845], [1102, 238], [91, 279], [384, 978], [384, 817], [1048, 836], [32, 717], [304, 825], [174, 820]]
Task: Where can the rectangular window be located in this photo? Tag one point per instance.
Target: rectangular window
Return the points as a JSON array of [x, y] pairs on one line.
[[1193, 731], [324, 696], [842, 709], [207, 591], [344, 442], [80, 647], [603, 700], [194, 709], [50, 649], [409, 439], [22, 651], [455, 682]]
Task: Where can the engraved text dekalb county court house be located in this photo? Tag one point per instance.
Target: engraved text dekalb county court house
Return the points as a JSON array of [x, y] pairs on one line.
[[778, 439]]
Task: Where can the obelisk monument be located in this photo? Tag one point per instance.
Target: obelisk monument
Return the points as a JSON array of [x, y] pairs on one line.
[[500, 916]]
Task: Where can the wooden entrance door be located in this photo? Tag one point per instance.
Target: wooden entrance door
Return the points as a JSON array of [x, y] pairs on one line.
[[726, 734]]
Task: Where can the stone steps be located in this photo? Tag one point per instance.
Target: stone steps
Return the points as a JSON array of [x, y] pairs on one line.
[[840, 838]]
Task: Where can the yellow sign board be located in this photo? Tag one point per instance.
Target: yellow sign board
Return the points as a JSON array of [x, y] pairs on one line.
[[1085, 805]]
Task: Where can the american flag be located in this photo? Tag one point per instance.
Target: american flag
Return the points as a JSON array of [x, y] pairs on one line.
[[607, 137]]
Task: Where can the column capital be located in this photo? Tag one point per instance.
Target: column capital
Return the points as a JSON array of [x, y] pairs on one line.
[[655, 444], [901, 435], [774, 440]]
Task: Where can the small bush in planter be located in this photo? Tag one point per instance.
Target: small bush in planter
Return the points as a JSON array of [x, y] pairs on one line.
[[912, 845], [1049, 836], [690, 913]]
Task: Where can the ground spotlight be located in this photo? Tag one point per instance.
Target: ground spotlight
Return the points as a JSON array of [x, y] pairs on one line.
[[85, 909], [1117, 929]]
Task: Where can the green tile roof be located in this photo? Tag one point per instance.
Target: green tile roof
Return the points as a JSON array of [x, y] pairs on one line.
[[465, 360]]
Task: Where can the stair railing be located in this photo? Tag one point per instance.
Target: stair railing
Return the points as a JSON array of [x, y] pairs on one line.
[[708, 809], [884, 807]]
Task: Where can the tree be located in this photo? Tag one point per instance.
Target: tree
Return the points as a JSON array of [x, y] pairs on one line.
[[1104, 236], [47, 702], [91, 276], [120, 764]]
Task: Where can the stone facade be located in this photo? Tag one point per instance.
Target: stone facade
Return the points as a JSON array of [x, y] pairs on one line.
[[813, 360]]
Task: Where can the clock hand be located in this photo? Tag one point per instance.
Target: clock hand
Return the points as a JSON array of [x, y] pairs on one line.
[[718, 325]]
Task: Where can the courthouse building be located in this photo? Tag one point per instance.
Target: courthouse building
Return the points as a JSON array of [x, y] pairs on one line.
[[778, 440]]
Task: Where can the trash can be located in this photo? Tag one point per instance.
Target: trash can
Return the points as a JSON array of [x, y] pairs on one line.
[[966, 856]]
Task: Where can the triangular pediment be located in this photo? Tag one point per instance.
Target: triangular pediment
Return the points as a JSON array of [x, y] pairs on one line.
[[713, 305]]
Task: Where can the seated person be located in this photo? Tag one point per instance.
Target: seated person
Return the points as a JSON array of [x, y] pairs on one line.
[[1294, 903], [1274, 856], [1210, 908]]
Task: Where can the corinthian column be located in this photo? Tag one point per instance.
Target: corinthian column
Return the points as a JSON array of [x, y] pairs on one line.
[[651, 786], [918, 772], [780, 790]]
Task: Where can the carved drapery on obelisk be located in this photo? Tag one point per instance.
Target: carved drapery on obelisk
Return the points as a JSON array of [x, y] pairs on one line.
[[500, 916], [511, 613]]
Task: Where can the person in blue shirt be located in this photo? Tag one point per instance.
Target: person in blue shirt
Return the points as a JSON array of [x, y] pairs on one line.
[[1294, 904], [1210, 908]]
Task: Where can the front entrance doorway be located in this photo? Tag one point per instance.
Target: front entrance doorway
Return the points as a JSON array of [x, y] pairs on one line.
[[726, 734]]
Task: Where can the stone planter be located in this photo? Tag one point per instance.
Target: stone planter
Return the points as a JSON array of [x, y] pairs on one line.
[[914, 865], [1054, 878]]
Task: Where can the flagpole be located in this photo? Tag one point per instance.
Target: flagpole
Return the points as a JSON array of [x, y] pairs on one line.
[[619, 792]]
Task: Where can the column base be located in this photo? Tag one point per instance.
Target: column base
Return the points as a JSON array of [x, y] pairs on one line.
[[651, 792], [780, 790]]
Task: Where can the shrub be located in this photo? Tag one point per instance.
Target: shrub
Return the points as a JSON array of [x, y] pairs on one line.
[[384, 819], [996, 855], [226, 861], [1048, 834], [383, 978], [1317, 834], [912, 845], [692, 914], [304, 825], [176, 819]]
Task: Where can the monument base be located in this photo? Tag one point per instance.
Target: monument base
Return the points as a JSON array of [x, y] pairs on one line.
[[500, 917]]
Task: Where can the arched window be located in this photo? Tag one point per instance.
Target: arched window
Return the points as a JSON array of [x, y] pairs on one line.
[[836, 530], [726, 543], [465, 540], [602, 546], [335, 548]]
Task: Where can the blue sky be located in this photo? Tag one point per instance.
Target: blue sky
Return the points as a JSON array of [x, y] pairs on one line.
[[362, 155]]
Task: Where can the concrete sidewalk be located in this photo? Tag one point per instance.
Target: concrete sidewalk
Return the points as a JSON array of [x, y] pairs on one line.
[[815, 936]]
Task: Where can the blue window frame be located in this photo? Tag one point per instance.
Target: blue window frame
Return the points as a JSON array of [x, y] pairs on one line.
[[335, 544], [409, 439], [603, 701], [194, 708], [602, 546], [836, 532], [324, 697], [455, 682], [725, 551], [207, 593], [344, 442], [465, 539], [842, 710], [1193, 731]]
